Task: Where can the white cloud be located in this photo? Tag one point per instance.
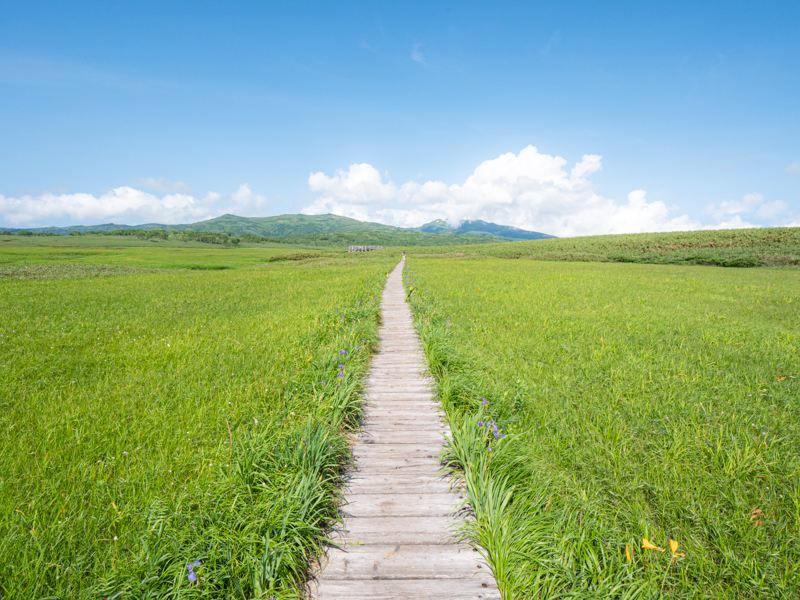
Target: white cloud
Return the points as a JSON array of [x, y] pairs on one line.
[[530, 189], [417, 55], [360, 184], [730, 213], [125, 205]]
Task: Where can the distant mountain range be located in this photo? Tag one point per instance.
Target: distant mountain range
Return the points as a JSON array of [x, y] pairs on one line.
[[324, 230], [484, 228]]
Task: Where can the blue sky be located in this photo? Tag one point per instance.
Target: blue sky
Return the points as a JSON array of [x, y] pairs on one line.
[[402, 112]]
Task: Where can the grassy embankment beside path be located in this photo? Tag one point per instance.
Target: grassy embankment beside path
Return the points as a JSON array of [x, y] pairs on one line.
[[170, 404], [625, 405]]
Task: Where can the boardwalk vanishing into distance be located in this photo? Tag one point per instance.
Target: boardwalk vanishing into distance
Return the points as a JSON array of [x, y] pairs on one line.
[[400, 514]]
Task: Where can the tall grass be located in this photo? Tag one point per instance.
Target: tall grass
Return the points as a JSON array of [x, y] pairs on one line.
[[776, 246], [152, 420], [641, 404]]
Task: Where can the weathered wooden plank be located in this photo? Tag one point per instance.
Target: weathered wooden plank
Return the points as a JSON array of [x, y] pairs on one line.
[[406, 450], [398, 483], [395, 468], [411, 426], [365, 460], [390, 384], [402, 398], [407, 412], [406, 422], [401, 530], [401, 505], [397, 561], [406, 589], [401, 437], [388, 396], [406, 401], [410, 409]]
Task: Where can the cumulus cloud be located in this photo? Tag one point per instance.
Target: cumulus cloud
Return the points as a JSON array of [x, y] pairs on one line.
[[127, 205], [529, 189]]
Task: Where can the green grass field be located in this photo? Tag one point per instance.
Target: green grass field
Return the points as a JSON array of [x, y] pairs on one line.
[[731, 248], [638, 402], [166, 404], [25, 257]]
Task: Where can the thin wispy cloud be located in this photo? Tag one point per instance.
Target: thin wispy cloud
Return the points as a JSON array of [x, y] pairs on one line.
[[30, 71], [162, 184], [750, 206], [417, 54], [793, 168], [552, 41]]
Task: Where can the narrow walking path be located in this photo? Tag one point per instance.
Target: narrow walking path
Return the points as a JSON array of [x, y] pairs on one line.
[[397, 540]]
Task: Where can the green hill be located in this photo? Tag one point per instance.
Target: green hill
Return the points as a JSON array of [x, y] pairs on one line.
[[282, 226], [766, 246], [324, 230], [320, 230]]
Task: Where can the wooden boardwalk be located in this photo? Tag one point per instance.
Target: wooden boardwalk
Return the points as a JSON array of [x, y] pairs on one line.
[[397, 537]]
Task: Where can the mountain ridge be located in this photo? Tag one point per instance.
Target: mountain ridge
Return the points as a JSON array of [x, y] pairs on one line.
[[481, 227], [319, 229]]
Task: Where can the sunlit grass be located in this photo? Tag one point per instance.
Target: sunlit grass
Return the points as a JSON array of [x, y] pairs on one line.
[[776, 246], [640, 402], [155, 419], [107, 251]]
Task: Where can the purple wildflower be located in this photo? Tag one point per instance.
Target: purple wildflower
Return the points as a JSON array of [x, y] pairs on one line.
[[484, 402], [343, 352], [340, 374], [192, 576], [480, 423], [341, 366]]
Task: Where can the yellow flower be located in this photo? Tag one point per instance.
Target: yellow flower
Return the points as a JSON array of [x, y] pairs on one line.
[[628, 553], [648, 545], [673, 547]]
